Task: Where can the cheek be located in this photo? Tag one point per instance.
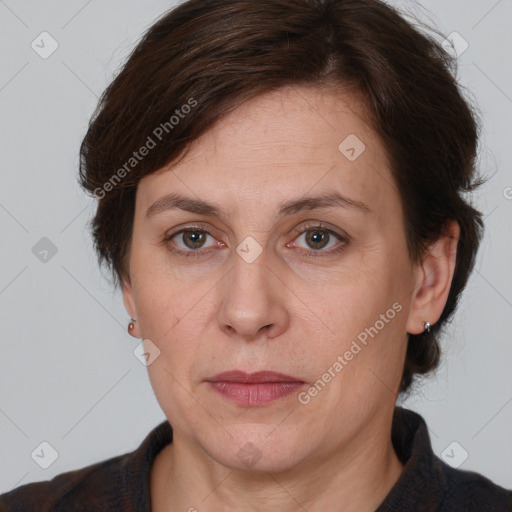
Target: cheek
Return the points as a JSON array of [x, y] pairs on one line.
[[161, 294], [173, 374], [366, 318], [356, 295]]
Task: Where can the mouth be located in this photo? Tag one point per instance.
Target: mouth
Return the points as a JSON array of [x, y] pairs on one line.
[[254, 389], [253, 378]]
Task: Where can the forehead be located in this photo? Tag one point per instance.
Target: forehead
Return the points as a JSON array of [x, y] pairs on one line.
[[287, 143]]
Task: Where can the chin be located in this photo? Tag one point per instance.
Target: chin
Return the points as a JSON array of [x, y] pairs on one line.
[[258, 448]]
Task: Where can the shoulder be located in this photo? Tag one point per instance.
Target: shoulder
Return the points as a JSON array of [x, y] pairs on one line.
[[428, 483], [473, 491], [119, 483], [89, 485]]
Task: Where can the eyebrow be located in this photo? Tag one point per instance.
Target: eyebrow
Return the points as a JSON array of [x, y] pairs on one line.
[[329, 200]]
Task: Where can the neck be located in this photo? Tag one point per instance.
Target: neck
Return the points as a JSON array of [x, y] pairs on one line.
[[356, 477]]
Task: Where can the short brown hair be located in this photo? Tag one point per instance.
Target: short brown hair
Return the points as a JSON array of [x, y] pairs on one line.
[[211, 55]]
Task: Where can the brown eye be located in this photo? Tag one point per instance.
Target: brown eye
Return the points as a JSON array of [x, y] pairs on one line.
[[317, 239], [193, 239], [320, 241]]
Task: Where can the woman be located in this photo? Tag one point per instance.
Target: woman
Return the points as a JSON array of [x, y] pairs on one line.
[[288, 246]]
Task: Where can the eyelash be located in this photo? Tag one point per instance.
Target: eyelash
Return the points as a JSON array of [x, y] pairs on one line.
[[344, 239]]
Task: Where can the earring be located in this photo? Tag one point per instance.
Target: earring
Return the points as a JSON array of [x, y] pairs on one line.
[[426, 325], [131, 326]]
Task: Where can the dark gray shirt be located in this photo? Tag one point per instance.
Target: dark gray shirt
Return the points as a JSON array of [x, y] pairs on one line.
[[427, 484]]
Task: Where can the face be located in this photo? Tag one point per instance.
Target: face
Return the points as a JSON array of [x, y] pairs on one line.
[[303, 270]]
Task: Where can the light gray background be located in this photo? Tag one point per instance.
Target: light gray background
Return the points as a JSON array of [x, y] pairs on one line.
[[68, 373]]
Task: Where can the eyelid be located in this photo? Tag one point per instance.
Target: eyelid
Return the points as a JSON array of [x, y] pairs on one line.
[[189, 227], [321, 226]]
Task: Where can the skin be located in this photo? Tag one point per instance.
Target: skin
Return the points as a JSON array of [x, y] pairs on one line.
[[285, 311]]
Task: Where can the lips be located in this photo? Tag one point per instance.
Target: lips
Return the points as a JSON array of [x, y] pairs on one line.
[[254, 389], [250, 378]]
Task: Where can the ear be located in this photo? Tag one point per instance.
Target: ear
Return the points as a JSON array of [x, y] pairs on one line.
[[129, 304], [434, 279]]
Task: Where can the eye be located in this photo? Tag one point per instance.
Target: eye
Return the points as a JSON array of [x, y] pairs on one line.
[[320, 241], [317, 239], [191, 241]]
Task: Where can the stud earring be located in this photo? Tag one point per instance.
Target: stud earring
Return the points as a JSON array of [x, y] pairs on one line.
[[131, 326], [426, 325]]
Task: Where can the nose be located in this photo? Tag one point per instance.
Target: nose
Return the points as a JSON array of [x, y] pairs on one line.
[[252, 302]]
